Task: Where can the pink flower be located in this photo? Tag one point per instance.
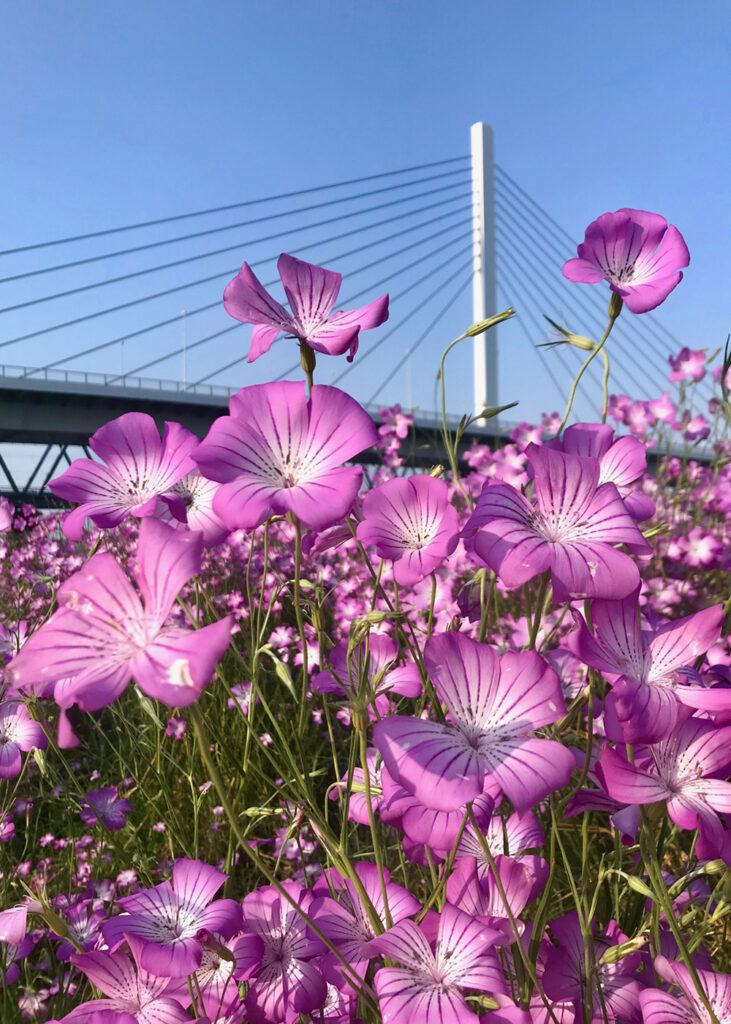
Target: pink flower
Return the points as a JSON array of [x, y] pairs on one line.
[[279, 451], [312, 292], [571, 530], [103, 634], [636, 252], [107, 806], [137, 466], [410, 520], [448, 953], [663, 409], [687, 364], [660, 1007], [18, 732], [493, 704]]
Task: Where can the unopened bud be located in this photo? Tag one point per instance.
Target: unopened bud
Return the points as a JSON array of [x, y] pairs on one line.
[[455, 624], [307, 358], [637, 885], [616, 953], [579, 341], [615, 306], [484, 325], [436, 471]]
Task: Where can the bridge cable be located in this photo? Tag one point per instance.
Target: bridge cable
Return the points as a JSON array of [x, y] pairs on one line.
[[231, 206]]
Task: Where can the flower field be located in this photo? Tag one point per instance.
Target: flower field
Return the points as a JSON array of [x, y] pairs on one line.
[[284, 740]]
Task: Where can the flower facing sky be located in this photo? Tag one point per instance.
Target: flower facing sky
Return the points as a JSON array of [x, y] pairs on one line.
[[107, 806], [571, 530], [279, 451], [18, 732], [637, 252], [410, 520], [312, 292], [137, 466], [493, 704]]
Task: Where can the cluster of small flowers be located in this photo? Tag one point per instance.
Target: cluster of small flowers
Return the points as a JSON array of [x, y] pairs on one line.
[[473, 735]]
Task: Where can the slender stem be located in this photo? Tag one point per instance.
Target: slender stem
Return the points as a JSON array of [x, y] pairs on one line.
[[584, 367], [297, 597]]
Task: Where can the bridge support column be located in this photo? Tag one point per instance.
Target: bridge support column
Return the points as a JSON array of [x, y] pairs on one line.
[[484, 283]]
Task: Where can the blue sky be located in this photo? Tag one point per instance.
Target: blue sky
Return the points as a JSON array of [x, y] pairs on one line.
[[119, 113]]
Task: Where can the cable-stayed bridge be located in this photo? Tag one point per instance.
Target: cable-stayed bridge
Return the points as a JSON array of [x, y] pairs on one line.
[[131, 317]]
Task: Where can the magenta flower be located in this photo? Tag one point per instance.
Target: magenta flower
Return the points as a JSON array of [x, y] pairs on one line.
[[622, 461], [680, 770], [565, 978], [189, 505], [410, 520], [107, 806], [18, 732], [571, 529], [641, 665], [103, 635], [286, 984], [312, 292], [476, 892], [344, 920], [492, 705], [376, 661], [170, 921], [136, 467], [637, 252], [449, 953], [663, 409], [660, 1007], [279, 452], [147, 997], [687, 364]]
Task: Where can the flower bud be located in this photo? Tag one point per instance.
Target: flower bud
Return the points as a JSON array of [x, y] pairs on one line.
[[615, 306], [616, 953]]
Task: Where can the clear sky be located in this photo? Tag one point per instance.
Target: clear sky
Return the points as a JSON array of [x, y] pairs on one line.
[[119, 113]]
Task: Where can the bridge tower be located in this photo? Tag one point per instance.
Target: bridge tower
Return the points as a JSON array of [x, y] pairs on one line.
[[484, 281]]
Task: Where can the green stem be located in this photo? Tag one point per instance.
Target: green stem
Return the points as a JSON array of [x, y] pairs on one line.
[[584, 367]]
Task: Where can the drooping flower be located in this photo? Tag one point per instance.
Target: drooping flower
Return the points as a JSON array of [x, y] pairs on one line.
[[637, 252], [18, 732], [641, 664], [279, 452], [103, 635], [449, 953], [493, 704], [136, 467], [170, 921], [410, 520], [571, 529], [107, 806], [680, 771], [312, 292]]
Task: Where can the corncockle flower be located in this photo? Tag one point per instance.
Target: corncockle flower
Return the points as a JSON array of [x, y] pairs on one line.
[[312, 292], [7, 828], [169, 920], [478, 894], [570, 530], [83, 921], [565, 976], [660, 1007], [687, 364], [375, 659], [696, 429], [103, 635], [641, 664], [136, 467], [427, 826], [663, 409], [107, 806], [286, 983], [638, 418], [189, 505], [147, 996], [679, 771], [223, 964], [637, 252], [621, 461], [702, 548], [511, 837], [279, 452], [492, 705], [7, 514], [175, 728], [449, 953], [18, 732], [344, 920], [358, 805], [410, 520], [618, 406]]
